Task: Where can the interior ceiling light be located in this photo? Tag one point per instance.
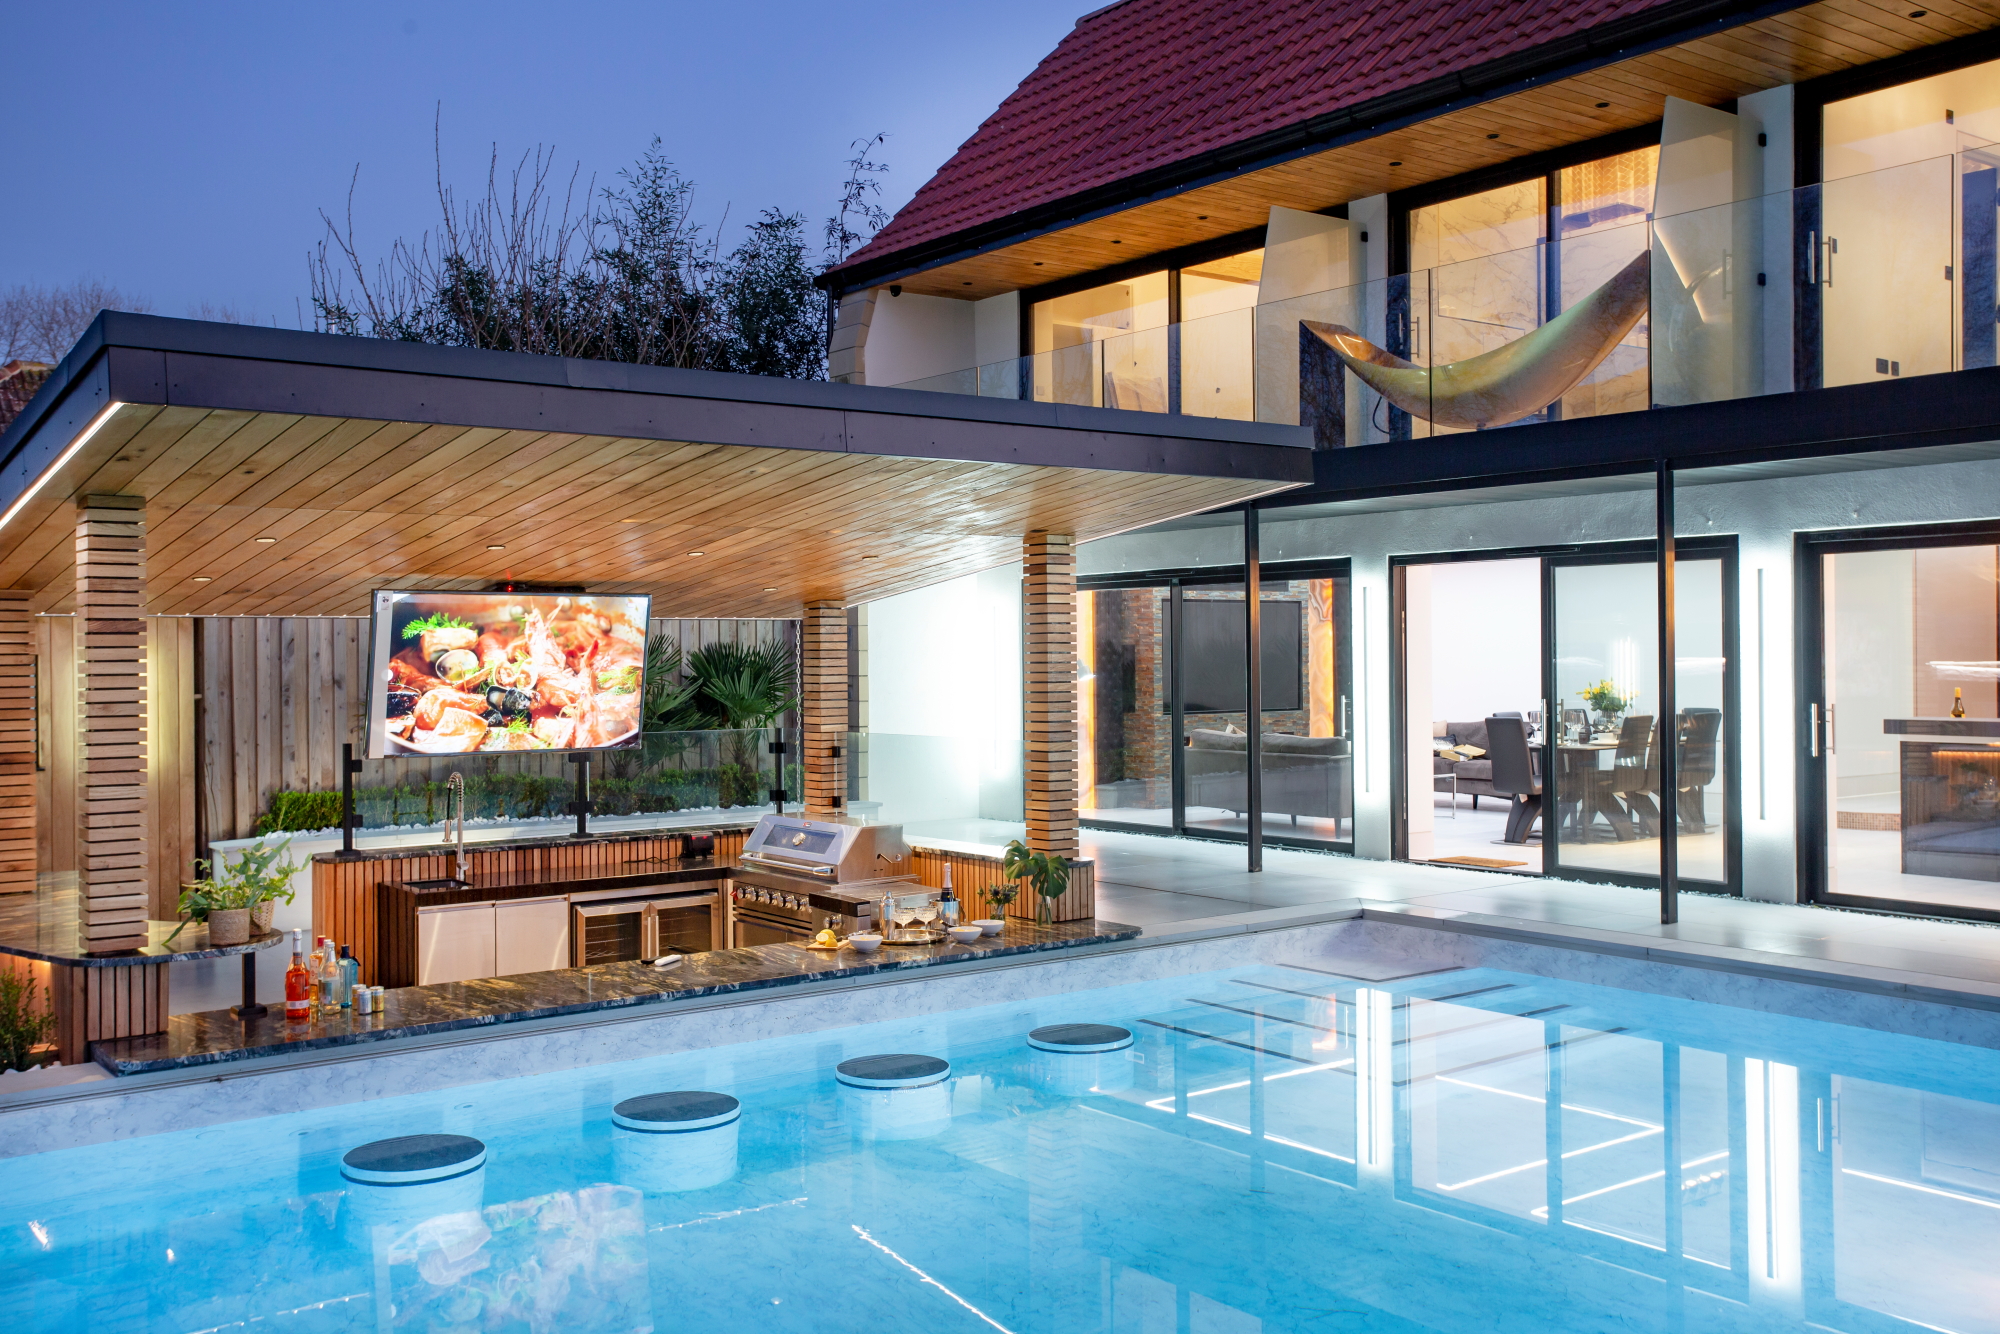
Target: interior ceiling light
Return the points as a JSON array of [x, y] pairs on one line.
[[697, 553], [266, 541], [496, 546], [203, 578], [628, 521], [82, 439], [770, 590]]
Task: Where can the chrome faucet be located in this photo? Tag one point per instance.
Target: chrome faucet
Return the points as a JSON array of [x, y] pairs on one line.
[[456, 783]]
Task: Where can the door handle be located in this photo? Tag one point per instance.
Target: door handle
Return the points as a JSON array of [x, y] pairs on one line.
[[1812, 729]]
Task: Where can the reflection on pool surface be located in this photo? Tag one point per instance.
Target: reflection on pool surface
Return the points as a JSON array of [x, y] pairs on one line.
[[1281, 1150]]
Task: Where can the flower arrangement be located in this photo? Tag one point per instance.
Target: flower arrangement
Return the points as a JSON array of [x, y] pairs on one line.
[[1604, 697]]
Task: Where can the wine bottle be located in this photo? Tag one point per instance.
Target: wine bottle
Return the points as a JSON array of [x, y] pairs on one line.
[[298, 983], [947, 901], [1958, 701]]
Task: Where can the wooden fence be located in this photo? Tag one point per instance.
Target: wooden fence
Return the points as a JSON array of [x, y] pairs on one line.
[[280, 695], [240, 707]]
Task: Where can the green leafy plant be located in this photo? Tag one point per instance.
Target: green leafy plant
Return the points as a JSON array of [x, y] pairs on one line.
[[299, 812], [259, 873], [437, 620], [722, 686], [26, 1020], [1046, 874]]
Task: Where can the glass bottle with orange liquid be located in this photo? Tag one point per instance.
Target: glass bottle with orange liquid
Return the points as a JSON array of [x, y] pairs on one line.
[[298, 984]]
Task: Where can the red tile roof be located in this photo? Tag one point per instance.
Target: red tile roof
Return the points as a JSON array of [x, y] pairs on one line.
[[1143, 84]]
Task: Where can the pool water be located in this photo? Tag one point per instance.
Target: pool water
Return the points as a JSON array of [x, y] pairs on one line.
[[1279, 1150]]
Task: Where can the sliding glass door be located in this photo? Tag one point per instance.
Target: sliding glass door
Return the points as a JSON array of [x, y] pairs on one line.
[[1529, 689], [1164, 701]]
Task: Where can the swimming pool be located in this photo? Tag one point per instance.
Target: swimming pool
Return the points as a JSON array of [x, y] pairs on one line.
[[1278, 1150]]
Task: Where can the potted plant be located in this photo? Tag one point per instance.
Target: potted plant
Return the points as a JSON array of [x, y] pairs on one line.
[[1046, 874], [25, 1021], [269, 874], [1000, 895], [223, 904]]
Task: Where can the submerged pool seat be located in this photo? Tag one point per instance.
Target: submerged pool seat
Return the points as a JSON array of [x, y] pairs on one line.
[[677, 1141], [896, 1096], [1080, 1039], [410, 1160], [399, 1185]]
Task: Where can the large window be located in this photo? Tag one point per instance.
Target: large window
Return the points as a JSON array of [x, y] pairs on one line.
[[1162, 695], [1111, 346]]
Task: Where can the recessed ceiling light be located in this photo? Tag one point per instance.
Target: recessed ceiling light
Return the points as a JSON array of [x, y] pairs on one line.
[[771, 590], [966, 283], [697, 553], [202, 578], [1918, 13], [267, 540], [1395, 164], [628, 521], [1201, 217], [1038, 264], [871, 558], [1117, 243], [496, 546], [1602, 105], [1493, 136]]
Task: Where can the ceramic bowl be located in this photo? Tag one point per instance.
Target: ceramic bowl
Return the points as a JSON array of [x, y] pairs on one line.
[[866, 942], [989, 926], [965, 935]]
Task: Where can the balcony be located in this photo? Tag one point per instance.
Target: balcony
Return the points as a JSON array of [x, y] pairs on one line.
[[1869, 277]]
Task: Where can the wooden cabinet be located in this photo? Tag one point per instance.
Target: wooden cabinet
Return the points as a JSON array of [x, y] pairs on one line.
[[454, 943]]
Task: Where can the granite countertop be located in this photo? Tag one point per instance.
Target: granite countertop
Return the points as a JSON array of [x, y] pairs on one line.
[[404, 851], [61, 943], [528, 884], [216, 1036]]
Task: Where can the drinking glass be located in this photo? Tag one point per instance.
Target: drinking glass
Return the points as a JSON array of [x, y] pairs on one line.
[[905, 914], [927, 913]]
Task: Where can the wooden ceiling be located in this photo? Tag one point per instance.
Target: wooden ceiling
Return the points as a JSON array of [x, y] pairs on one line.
[[1785, 48], [355, 505]]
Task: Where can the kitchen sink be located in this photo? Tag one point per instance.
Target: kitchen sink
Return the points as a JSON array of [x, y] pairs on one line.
[[446, 883]]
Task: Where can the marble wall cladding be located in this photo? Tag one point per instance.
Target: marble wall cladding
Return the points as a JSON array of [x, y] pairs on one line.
[[1376, 951]]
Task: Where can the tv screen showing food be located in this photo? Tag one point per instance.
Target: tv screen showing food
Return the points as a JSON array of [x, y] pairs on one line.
[[461, 672]]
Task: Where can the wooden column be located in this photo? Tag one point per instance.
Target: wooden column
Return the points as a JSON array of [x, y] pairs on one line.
[[823, 706], [1049, 595], [113, 874], [17, 743]]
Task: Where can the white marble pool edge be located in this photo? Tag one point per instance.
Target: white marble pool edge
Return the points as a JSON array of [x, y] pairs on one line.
[[1352, 940]]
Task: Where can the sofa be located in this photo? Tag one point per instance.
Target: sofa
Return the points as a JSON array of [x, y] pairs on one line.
[[1475, 777], [1311, 776]]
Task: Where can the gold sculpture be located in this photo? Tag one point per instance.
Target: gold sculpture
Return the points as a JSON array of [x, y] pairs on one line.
[[1512, 381]]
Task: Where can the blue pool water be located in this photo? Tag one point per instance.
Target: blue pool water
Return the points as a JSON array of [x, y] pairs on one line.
[[1280, 1150]]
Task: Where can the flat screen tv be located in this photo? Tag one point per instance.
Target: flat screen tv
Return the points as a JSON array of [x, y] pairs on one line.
[[455, 673], [1213, 670]]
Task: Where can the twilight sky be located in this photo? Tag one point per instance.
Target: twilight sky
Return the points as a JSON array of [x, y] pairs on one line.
[[183, 152]]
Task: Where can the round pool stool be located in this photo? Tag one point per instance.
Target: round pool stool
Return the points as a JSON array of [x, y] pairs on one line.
[[1082, 1038], [677, 1113], [899, 1070], [410, 1160]]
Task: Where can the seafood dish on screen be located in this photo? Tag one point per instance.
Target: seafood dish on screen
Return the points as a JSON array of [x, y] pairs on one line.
[[485, 672]]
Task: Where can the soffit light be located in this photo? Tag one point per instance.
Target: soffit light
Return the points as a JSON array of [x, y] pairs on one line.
[[74, 447], [203, 578], [267, 540], [496, 546], [697, 553]]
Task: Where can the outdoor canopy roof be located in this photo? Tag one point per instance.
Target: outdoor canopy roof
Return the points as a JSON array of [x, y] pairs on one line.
[[378, 464]]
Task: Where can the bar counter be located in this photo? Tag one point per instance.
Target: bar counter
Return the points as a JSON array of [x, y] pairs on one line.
[[217, 1037]]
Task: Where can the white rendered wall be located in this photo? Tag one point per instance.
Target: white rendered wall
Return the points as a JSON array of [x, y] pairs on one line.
[[944, 691], [1763, 515], [996, 329], [912, 337]]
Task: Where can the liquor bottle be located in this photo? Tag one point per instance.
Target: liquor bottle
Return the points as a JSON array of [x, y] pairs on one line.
[[329, 979], [1958, 701], [350, 973], [298, 983], [947, 901]]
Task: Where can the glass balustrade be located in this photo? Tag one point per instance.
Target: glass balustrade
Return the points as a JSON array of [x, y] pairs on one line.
[[1867, 277]]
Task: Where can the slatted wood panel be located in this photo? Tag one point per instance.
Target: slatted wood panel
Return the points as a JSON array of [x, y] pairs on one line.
[[344, 892], [92, 1003], [170, 751], [358, 505], [17, 743], [280, 694], [1049, 690], [972, 876], [114, 877], [823, 705], [1783, 48]]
